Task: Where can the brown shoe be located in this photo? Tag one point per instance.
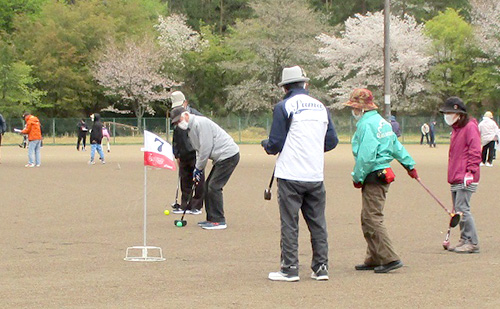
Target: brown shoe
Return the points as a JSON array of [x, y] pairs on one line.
[[460, 243], [467, 248]]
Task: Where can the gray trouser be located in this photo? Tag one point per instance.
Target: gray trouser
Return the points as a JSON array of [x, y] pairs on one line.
[[461, 201], [310, 198], [379, 246], [217, 179]]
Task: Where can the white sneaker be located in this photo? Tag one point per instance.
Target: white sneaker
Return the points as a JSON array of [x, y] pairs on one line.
[[195, 211], [321, 274], [38, 165], [280, 276], [91, 162], [481, 164], [30, 165], [489, 164]]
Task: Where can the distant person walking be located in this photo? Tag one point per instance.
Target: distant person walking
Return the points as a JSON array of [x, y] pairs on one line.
[[3, 128], [395, 126], [82, 134], [106, 135], [463, 169], [432, 134], [96, 139], [488, 130], [424, 129], [34, 132]]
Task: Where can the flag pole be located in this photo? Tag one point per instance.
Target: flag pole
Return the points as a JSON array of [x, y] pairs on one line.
[[144, 249], [145, 201]]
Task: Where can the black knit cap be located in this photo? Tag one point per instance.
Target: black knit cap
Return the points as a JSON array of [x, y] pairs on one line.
[[453, 105]]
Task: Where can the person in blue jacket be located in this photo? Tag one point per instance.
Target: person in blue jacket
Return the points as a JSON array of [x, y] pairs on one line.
[[301, 132], [374, 146]]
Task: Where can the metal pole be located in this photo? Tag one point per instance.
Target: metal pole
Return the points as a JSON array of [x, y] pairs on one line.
[[387, 60], [53, 130], [239, 128], [145, 204]]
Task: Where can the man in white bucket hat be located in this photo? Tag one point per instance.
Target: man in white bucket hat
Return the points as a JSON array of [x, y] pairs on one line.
[[300, 133]]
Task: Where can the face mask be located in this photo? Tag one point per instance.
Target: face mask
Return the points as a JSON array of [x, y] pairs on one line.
[[358, 116], [183, 125], [92, 117], [450, 119]]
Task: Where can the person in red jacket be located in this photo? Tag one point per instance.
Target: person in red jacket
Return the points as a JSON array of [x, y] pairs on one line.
[[34, 132], [463, 169]]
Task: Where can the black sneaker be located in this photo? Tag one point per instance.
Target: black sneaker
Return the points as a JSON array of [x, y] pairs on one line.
[[388, 267], [321, 274], [364, 267]]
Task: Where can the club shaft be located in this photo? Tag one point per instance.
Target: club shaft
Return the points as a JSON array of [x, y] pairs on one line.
[[435, 198]]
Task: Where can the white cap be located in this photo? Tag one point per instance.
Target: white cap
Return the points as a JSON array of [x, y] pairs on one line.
[[178, 98], [293, 75]]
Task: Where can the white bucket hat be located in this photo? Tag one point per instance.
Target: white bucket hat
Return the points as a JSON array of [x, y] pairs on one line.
[[178, 98], [293, 75]]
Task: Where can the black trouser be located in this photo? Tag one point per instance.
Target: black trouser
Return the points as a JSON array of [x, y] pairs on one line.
[[217, 179], [426, 137], [81, 137], [186, 168], [488, 152], [433, 140]]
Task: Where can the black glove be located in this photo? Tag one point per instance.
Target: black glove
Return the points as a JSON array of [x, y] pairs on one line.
[[264, 142]]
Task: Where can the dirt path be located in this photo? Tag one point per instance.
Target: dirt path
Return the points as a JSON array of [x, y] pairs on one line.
[[66, 225]]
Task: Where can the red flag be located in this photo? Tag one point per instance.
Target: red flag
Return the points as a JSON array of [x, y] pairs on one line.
[[157, 152]]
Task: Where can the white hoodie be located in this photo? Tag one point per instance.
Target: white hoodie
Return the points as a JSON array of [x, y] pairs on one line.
[[488, 129]]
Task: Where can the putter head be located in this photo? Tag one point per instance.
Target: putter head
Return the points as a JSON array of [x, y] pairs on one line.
[[180, 223], [455, 219], [267, 194], [446, 244]]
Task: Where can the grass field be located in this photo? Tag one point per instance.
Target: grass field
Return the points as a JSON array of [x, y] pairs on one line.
[[66, 225]]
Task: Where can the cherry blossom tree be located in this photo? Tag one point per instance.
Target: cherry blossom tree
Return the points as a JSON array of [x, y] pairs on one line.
[[133, 73], [355, 59], [176, 38], [486, 22]]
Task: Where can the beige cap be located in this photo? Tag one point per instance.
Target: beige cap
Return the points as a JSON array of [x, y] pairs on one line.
[[178, 98]]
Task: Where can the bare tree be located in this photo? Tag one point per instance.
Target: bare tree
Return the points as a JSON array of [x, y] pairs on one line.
[[281, 34]]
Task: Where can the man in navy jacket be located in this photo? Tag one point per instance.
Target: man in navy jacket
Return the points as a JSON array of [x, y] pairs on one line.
[[301, 132]]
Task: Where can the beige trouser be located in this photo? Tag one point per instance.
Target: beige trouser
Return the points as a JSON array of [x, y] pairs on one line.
[[380, 250]]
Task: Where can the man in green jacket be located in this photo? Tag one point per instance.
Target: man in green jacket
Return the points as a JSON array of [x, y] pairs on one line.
[[374, 146]]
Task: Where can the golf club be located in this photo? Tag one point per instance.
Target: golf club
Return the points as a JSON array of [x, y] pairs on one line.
[[267, 192], [455, 217], [176, 205], [182, 222], [446, 242]]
